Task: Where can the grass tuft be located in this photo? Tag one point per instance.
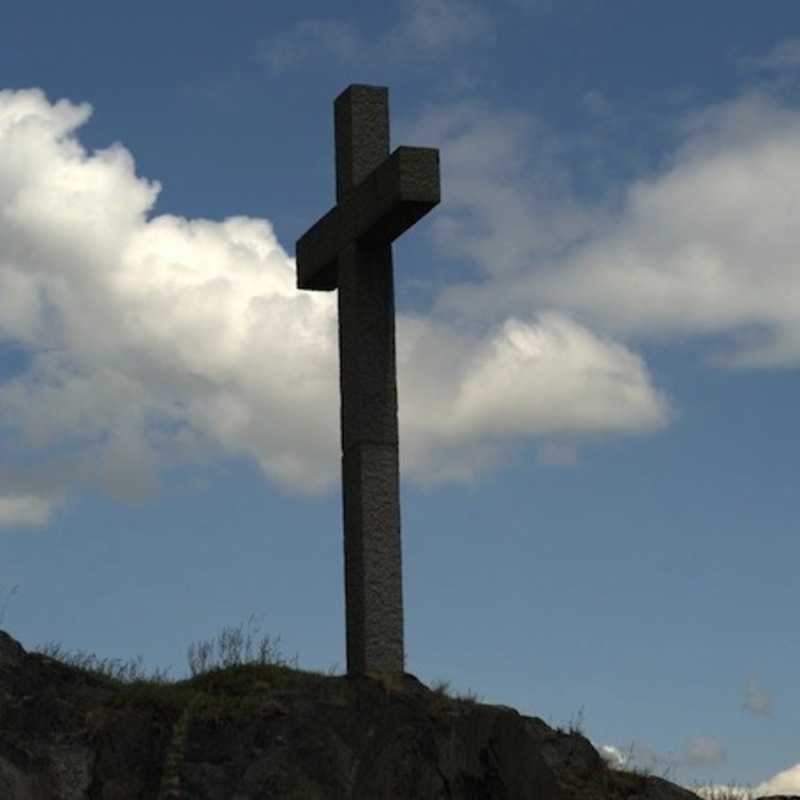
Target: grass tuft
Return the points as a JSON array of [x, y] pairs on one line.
[[442, 688], [230, 644], [220, 683]]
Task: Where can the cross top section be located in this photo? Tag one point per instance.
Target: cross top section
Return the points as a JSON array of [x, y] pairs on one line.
[[378, 196]]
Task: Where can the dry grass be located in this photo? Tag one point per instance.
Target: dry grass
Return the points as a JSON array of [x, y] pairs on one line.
[[443, 689], [236, 661], [221, 672]]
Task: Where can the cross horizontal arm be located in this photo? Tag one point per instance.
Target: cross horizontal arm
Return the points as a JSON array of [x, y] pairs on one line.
[[387, 202]]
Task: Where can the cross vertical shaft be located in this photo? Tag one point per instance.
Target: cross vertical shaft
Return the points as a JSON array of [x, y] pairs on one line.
[[378, 196], [370, 451]]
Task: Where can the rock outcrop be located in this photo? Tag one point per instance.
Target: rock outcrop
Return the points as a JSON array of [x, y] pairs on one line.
[[256, 731]]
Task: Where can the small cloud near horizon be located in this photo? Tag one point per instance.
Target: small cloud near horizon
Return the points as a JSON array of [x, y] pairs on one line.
[[757, 701]]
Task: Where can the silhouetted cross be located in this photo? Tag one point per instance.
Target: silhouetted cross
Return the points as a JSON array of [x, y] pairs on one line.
[[378, 197]]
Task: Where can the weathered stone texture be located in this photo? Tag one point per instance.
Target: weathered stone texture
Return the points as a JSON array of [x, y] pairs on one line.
[[378, 197]]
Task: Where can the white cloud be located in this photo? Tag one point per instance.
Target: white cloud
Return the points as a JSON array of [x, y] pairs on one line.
[[708, 246], [424, 29], [507, 197], [430, 27], [613, 756], [463, 397], [557, 453], [757, 700], [783, 56], [311, 38], [140, 327], [158, 338], [26, 510], [703, 750], [581, 383], [637, 757], [785, 782], [595, 102], [698, 752], [714, 791]]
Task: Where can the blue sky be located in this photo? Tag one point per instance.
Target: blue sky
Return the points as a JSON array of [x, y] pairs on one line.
[[598, 339]]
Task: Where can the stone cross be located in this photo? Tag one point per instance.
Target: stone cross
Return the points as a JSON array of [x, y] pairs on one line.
[[378, 196]]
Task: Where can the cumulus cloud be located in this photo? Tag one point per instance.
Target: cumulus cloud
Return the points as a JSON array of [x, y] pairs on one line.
[[509, 202], [613, 756], [464, 396], [147, 335], [26, 509], [785, 782], [154, 338], [424, 29], [638, 756], [708, 246]]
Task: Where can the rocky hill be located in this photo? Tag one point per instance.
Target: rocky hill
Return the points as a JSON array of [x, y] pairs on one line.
[[267, 731]]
